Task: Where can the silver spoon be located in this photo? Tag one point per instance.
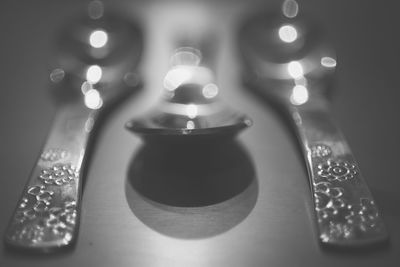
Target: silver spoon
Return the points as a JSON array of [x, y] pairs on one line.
[[288, 60], [96, 59]]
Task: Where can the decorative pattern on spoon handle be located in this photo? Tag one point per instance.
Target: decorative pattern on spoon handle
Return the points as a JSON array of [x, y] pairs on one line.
[[47, 214], [346, 213]]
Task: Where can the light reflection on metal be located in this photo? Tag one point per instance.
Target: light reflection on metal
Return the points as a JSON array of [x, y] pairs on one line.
[[299, 95], [95, 9], [346, 215], [290, 8], [328, 62], [192, 111], [288, 33], [295, 69], [210, 90], [182, 109], [98, 38], [94, 74], [177, 76], [190, 125], [93, 99]]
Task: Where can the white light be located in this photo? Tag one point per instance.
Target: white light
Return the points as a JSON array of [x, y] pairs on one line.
[[328, 62], [299, 95], [295, 69], [93, 74], [176, 77], [210, 90], [288, 33], [192, 111], [190, 125], [98, 38], [93, 99]]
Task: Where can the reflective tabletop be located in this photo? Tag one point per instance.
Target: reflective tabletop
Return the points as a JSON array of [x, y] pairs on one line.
[[246, 202]]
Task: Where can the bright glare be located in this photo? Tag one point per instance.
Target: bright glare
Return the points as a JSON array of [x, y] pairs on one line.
[[295, 69], [290, 8], [288, 33], [93, 99], [190, 125], [98, 38], [192, 111], [328, 62], [176, 77], [210, 90], [93, 74], [299, 95]]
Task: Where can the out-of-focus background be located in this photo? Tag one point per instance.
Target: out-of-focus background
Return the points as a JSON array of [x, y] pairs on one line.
[[271, 223]]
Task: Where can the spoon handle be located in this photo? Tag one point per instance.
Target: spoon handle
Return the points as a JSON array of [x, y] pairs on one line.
[[346, 214], [47, 214]]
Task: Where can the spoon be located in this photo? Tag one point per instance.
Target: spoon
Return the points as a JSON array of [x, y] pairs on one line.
[[190, 112], [288, 60], [96, 59]]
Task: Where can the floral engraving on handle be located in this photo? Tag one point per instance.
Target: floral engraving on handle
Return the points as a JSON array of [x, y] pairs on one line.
[[54, 154], [37, 220], [59, 174], [340, 217], [35, 226], [44, 213], [337, 170], [320, 150]]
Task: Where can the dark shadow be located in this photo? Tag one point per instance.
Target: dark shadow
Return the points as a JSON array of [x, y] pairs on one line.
[[191, 194]]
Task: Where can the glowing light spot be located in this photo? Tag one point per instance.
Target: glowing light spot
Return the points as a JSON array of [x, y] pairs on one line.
[[210, 90], [190, 125], [98, 38], [328, 62], [192, 111], [295, 69], [290, 8], [288, 33], [176, 77], [299, 95], [93, 99], [93, 74]]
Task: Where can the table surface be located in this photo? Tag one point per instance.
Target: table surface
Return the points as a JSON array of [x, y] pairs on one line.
[[259, 213]]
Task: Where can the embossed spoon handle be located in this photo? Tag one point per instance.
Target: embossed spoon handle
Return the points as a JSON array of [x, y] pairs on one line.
[[346, 214], [47, 215]]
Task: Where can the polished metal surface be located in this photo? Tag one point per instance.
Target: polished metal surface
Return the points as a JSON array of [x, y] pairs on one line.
[[89, 77], [246, 204], [190, 111], [290, 62]]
